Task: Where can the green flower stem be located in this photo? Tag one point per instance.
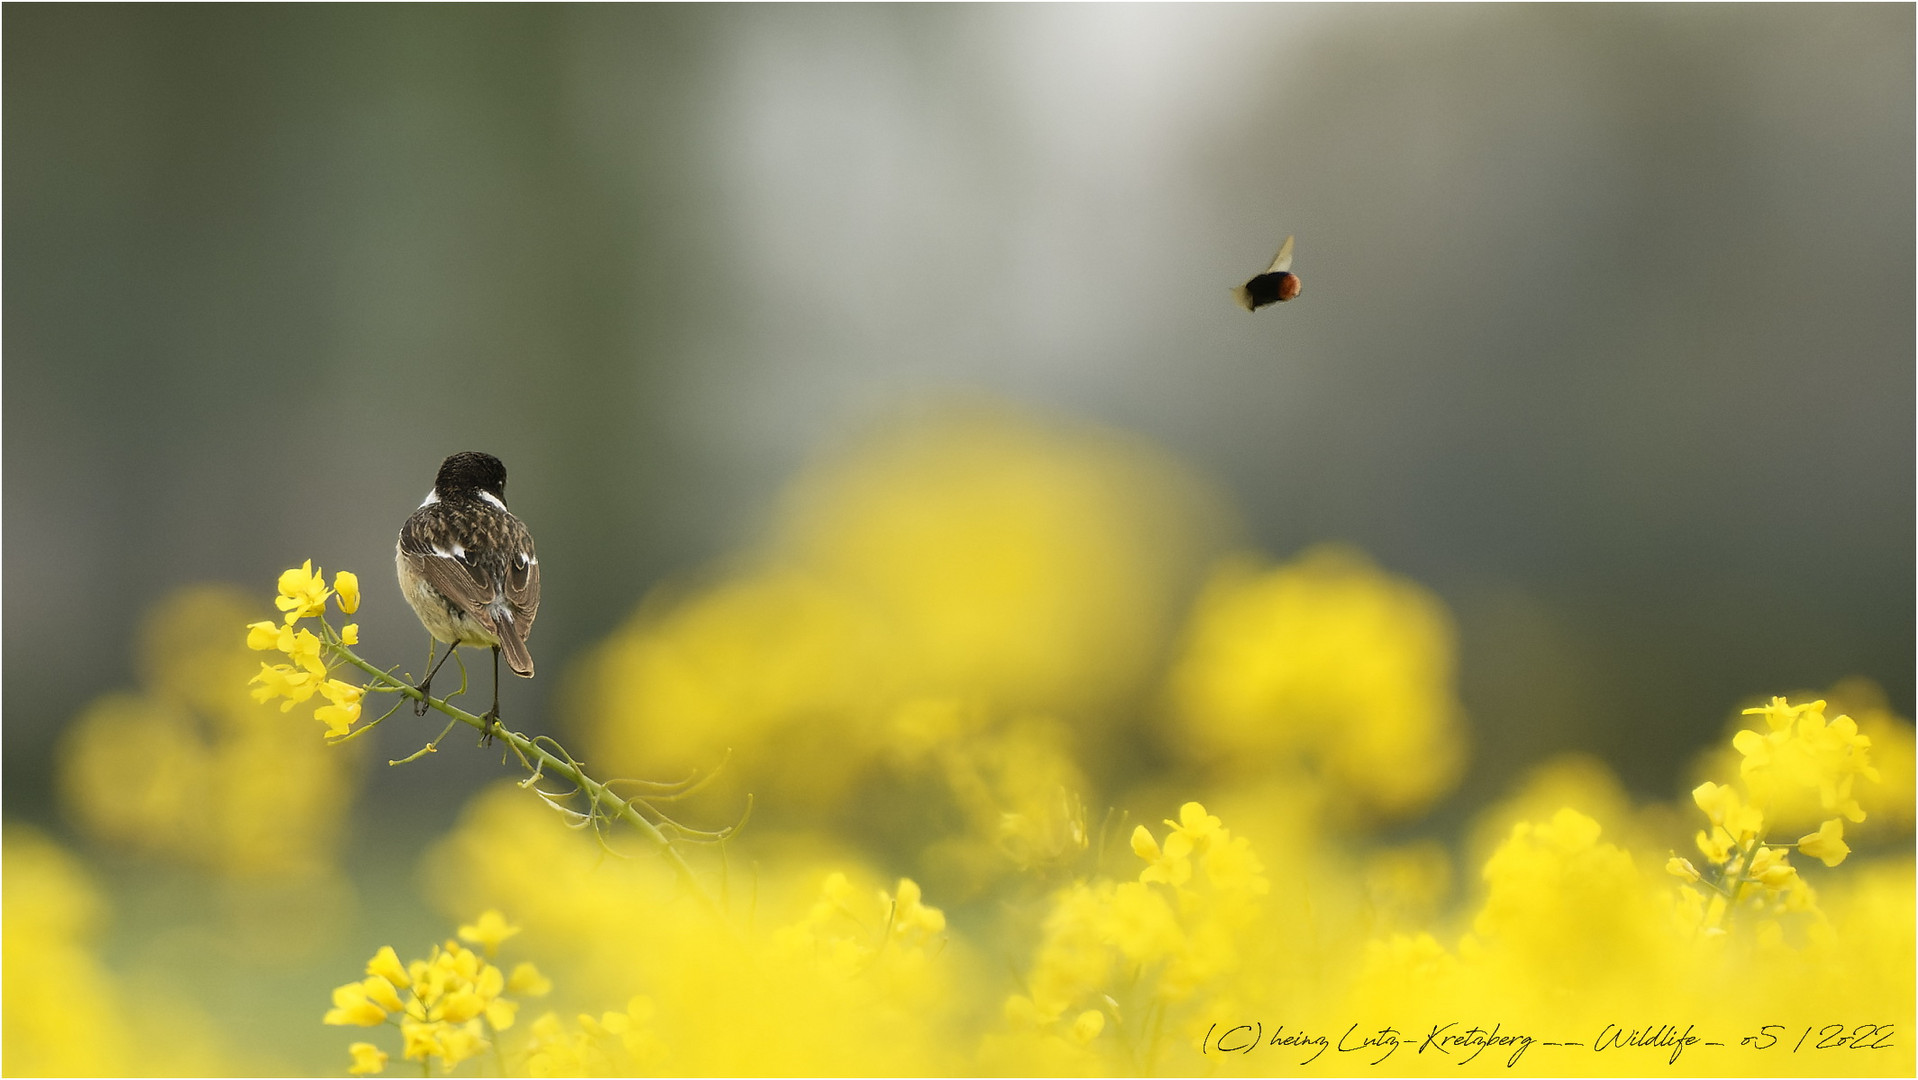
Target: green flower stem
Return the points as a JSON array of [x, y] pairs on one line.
[[542, 761]]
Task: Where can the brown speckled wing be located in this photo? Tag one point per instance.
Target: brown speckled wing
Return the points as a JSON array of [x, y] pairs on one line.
[[481, 558]]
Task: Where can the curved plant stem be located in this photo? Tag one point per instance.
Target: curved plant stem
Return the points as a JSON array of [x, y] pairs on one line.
[[539, 760]]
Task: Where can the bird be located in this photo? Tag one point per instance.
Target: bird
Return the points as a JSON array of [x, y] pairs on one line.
[[1276, 284], [468, 569]]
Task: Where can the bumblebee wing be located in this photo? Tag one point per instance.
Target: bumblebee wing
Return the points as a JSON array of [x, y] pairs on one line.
[[1283, 260], [1244, 297]]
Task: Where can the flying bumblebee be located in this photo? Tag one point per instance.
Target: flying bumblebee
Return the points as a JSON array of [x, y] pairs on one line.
[[1276, 285]]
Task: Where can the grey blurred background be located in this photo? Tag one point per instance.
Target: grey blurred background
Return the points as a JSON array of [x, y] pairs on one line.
[[1607, 330]]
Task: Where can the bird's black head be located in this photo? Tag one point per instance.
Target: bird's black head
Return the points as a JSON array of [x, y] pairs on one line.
[[470, 472]]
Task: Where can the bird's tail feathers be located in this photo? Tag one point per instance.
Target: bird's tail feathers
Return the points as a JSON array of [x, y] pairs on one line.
[[513, 646]]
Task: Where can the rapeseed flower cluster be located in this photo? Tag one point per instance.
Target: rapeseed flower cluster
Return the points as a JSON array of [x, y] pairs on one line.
[[924, 603], [1801, 768], [67, 1011], [303, 594], [1146, 957], [815, 964], [190, 769], [1323, 676], [449, 1006], [612, 1044]]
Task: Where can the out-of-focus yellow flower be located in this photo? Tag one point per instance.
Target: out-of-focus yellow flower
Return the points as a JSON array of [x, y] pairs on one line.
[[419, 1040], [920, 589], [614, 1044], [386, 964], [303, 592], [347, 584], [1804, 754], [1324, 666], [1772, 867], [809, 951], [1804, 768], [911, 916], [1827, 845], [1889, 800], [845, 930], [1562, 906], [1171, 865], [527, 980], [488, 931], [1781, 714], [381, 991], [1017, 785], [1802, 764], [367, 1059], [1580, 781], [1681, 868], [64, 1011], [352, 1006], [1155, 946], [51, 914], [1734, 824], [190, 768]]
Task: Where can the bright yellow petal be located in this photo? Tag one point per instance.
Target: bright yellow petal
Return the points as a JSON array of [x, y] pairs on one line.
[[347, 584]]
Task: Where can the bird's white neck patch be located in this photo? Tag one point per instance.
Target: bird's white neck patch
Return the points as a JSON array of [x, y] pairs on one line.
[[432, 497], [492, 498]]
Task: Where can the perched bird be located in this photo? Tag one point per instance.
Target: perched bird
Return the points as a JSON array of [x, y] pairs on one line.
[[1276, 285], [467, 567]]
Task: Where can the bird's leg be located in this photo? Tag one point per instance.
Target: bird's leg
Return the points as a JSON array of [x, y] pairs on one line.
[[425, 688], [492, 715]]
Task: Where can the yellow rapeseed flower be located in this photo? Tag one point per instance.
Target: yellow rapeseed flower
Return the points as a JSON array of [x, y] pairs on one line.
[[304, 647], [1771, 868], [1827, 845], [386, 963], [284, 681], [347, 584], [1781, 714], [302, 592], [419, 1040], [351, 1006], [488, 930], [381, 991], [340, 716], [1194, 823], [459, 1042], [1326, 672], [527, 980], [1171, 865], [367, 1059], [1804, 757], [910, 915]]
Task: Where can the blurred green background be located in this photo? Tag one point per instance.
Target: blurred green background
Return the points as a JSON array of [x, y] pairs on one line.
[[1606, 334]]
